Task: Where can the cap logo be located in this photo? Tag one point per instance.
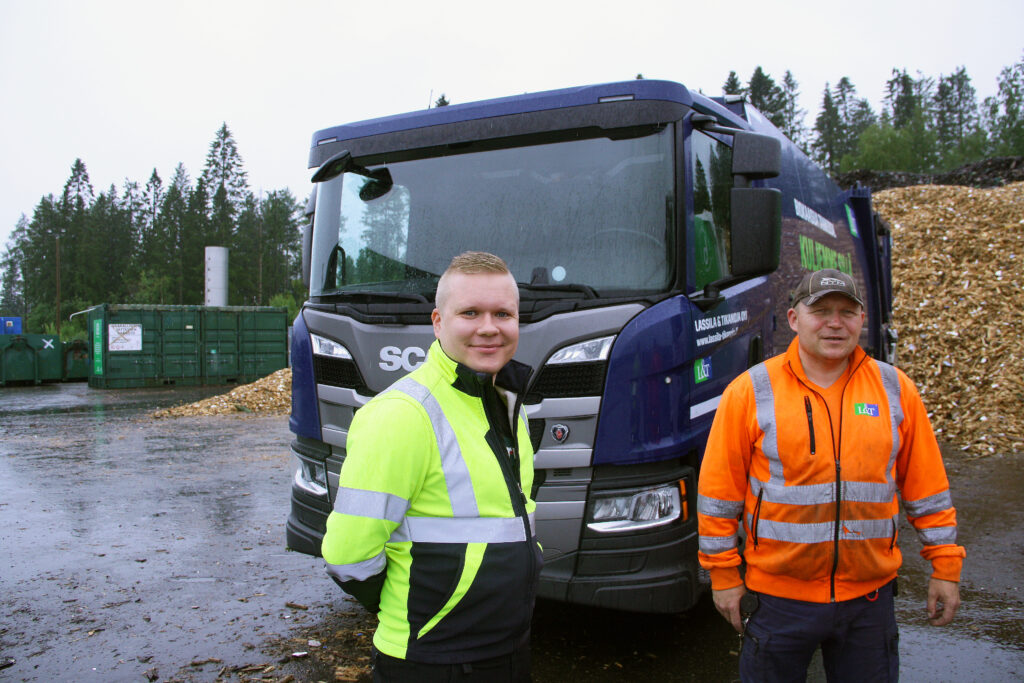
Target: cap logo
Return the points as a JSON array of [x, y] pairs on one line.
[[832, 282]]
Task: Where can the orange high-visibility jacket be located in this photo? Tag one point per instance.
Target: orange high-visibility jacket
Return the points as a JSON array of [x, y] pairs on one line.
[[817, 492]]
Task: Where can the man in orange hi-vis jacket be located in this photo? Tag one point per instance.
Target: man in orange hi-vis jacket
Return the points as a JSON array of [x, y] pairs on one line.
[[810, 449]]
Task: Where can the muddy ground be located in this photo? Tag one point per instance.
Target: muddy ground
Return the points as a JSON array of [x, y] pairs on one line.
[[137, 549]]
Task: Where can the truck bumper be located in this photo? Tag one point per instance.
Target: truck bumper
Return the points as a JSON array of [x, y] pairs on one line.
[[307, 521], [653, 573]]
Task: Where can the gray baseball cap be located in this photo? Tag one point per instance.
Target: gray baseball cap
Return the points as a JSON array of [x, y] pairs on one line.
[[820, 283]]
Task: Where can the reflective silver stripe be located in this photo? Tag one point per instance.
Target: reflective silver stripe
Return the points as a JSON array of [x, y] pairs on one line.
[[764, 399], [869, 492], [941, 535], [715, 507], [823, 532], [891, 382], [456, 474], [926, 506], [819, 494], [712, 545], [360, 571], [461, 530], [373, 504], [808, 494]]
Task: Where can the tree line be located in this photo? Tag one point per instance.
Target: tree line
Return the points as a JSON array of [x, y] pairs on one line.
[[146, 244], [924, 125]]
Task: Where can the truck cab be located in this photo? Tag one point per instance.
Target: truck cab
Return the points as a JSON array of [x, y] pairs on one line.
[[654, 233]]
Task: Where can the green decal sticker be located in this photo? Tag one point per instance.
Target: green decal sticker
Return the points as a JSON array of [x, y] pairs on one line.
[[701, 370], [815, 256], [852, 220]]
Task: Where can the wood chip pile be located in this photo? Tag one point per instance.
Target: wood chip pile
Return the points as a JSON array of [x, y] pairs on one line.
[[958, 270], [271, 395]]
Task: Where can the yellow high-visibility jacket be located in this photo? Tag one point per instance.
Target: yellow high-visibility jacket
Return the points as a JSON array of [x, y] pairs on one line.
[[433, 514]]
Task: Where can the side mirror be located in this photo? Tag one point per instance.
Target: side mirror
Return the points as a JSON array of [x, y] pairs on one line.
[[755, 156], [756, 230], [333, 167]]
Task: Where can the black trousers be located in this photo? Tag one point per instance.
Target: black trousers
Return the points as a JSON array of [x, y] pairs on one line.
[[511, 668], [859, 639]]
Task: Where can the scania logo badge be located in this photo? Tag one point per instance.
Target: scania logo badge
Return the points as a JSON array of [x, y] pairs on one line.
[[559, 432]]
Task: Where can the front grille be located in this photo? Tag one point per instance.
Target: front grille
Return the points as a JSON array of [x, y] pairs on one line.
[[339, 372], [568, 380], [536, 432]]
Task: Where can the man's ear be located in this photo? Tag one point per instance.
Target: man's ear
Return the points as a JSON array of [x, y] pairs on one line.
[[791, 317], [435, 318]]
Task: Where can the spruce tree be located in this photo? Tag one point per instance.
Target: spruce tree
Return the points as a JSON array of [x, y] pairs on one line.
[[12, 284], [826, 143], [1004, 112], [957, 121], [225, 178], [732, 85], [792, 114], [766, 96]]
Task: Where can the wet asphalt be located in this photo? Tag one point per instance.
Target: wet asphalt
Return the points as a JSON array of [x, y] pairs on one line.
[[138, 549]]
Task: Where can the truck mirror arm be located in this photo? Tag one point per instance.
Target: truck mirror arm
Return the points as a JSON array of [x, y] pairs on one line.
[[709, 297]]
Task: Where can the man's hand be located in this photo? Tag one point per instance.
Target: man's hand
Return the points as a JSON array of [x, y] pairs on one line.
[[943, 600], [727, 602]]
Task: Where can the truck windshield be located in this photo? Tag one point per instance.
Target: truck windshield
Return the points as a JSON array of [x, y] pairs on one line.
[[583, 218]]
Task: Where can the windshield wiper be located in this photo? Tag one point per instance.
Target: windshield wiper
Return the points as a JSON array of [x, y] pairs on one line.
[[586, 290], [391, 296]]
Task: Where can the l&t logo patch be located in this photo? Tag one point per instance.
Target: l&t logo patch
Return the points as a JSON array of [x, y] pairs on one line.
[[869, 409]]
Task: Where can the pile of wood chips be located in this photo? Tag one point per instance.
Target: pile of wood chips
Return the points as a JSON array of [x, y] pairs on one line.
[[958, 269], [271, 395]]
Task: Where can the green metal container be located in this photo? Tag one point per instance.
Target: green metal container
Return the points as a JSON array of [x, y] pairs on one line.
[[30, 359], [263, 338], [76, 360], [140, 345]]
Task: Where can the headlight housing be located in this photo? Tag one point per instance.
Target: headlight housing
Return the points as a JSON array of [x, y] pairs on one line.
[[584, 352], [322, 346], [635, 509]]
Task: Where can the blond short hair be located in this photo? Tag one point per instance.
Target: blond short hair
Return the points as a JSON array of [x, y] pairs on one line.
[[470, 263]]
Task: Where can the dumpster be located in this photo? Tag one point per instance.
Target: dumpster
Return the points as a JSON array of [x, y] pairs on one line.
[[76, 360], [142, 345], [30, 359]]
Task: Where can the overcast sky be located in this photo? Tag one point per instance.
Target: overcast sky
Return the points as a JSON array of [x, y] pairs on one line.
[[133, 86]]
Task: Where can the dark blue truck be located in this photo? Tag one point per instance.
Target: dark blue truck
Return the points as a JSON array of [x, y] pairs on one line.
[[655, 234]]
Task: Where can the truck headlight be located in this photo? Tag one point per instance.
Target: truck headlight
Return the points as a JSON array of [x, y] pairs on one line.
[[584, 352], [311, 476], [322, 346], [634, 509]]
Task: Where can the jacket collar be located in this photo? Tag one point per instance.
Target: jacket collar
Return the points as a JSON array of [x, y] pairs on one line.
[[514, 376], [797, 367]]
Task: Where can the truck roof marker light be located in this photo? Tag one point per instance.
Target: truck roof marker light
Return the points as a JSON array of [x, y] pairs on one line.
[[326, 141], [616, 98]]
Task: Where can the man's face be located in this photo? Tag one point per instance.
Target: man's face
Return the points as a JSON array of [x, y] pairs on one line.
[[828, 329], [478, 322]]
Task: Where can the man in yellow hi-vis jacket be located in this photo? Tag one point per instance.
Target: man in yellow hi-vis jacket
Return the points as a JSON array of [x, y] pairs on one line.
[[433, 524]]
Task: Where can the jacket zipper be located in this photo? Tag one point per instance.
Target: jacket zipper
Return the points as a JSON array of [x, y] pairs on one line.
[[810, 421], [505, 460], [837, 446], [757, 516]]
